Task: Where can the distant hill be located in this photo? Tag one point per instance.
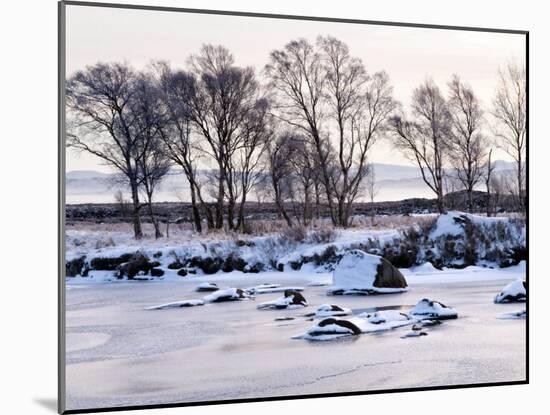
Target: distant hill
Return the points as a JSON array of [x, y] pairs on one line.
[[395, 182]]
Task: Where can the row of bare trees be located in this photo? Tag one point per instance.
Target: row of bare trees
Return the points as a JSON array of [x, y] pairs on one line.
[[450, 131], [302, 136]]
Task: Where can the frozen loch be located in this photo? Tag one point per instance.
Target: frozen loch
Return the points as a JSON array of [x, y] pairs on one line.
[[225, 350]]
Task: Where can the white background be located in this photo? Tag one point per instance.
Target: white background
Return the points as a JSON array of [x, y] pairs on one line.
[[28, 234]]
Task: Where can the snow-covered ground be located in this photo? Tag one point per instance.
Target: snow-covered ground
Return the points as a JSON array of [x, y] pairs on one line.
[[119, 353]]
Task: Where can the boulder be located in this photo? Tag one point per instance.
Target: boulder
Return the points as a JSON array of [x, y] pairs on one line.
[[515, 292], [109, 264], [182, 272], [137, 263], [157, 272], [176, 265], [75, 266], [363, 274]]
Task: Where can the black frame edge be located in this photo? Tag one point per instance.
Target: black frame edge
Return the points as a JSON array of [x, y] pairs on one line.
[[61, 9], [289, 17]]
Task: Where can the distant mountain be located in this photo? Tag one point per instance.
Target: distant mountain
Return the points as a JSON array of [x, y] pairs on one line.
[[394, 182]]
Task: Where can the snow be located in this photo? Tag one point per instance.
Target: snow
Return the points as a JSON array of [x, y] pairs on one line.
[[291, 301], [356, 274], [513, 292], [430, 309], [271, 288], [207, 286], [384, 316], [345, 240], [329, 329], [477, 347], [449, 224], [331, 310], [380, 321], [365, 323], [229, 294], [357, 270], [419, 275], [425, 268]]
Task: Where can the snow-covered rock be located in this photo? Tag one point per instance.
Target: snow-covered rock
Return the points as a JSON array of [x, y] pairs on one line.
[[177, 304], [329, 329], [416, 331], [270, 288], [331, 310], [229, 294], [363, 274], [291, 299], [333, 328], [207, 286], [514, 315], [384, 316], [514, 292], [430, 309]]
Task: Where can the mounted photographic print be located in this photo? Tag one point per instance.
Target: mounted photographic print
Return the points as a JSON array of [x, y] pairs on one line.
[[263, 207]]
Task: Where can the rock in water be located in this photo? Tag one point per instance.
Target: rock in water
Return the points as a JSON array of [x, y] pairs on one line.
[[291, 299], [363, 274], [208, 286], [230, 294], [332, 310], [332, 328], [514, 292], [432, 310]]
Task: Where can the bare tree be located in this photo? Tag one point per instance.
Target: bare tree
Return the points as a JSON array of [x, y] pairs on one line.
[[296, 77], [468, 145], [154, 164], [425, 140], [278, 153], [104, 123], [224, 97], [122, 203], [301, 182], [177, 89], [247, 161], [510, 111], [360, 105], [322, 89], [372, 191], [489, 179]]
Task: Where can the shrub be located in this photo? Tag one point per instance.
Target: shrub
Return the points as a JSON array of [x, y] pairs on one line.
[[323, 235], [104, 243], [297, 233]]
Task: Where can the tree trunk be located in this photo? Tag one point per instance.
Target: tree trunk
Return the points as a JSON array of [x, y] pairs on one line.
[[240, 216], [138, 233], [520, 183], [195, 209], [158, 233], [440, 200], [219, 203]]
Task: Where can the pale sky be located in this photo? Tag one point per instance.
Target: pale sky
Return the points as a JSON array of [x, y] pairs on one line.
[[408, 55]]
